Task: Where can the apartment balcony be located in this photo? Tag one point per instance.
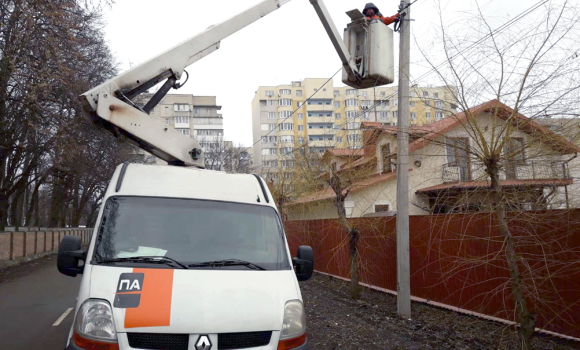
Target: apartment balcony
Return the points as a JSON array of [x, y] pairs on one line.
[[182, 113], [320, 107], [535, 171]]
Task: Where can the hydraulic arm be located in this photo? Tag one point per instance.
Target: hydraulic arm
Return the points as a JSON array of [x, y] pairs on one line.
[[111, 103]]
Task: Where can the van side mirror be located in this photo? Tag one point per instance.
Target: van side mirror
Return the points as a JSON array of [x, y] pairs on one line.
[[69, 254], [304, 263]]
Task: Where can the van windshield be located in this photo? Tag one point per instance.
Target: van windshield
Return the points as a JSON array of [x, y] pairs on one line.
[[190, 231]]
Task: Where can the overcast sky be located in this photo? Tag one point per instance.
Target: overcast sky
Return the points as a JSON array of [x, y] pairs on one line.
[[289, 44]]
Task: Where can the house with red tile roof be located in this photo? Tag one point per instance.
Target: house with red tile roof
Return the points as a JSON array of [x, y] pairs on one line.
[[446, 172]]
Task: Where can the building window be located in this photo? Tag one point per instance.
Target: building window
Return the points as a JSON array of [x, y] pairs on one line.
[[514, 151], [181, 120], [181, 107], [353, 126], [395, 102], [272, 139], [300, 127], [339, 139], [285, 92], [166, 110], [269, 93], [427, 103], [353, 138], [365, 94], [413, 116], [284, 114], [166, 121], [286, 126], [351, 102], [300, 115], [351, 92], [425, 93], [336, 92], [458, 156], [271, 103], [268, 127], [286, 150], [383, 93], [336, 104], [283, 102], [412, 93], [287, 163], [185, 132], [301, 140], [300, 104], [436, 94], [438, 115], [428, 115], [439, 104], [366, 103], [299, 93], [271, 115], [337, 115], [269, 151], [264, 139], [395, 114], [287, 138], [412, 103], [351, 115]]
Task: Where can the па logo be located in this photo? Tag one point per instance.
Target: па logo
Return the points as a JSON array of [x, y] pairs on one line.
[[129, 290]]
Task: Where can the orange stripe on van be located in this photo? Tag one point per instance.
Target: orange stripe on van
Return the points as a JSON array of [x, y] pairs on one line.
[[155, 307]]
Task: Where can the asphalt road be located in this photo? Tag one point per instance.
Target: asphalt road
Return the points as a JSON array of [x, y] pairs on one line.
[[32, 298]]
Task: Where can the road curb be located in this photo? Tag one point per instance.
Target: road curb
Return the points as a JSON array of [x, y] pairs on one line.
[[5, 264]]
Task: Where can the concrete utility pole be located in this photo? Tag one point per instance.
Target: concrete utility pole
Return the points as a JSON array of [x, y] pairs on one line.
[[403, 266]]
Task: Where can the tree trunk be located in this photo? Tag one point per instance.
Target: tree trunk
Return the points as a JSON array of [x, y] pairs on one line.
[[527, 320], [353, 238]]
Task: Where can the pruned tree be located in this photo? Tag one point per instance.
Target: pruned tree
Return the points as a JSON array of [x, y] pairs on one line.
[[526, 68]]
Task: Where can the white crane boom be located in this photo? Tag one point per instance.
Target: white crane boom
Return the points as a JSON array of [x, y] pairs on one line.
[[110, 104]]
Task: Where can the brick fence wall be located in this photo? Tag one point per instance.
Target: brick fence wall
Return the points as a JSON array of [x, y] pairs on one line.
[[459, 260], [19, 244]]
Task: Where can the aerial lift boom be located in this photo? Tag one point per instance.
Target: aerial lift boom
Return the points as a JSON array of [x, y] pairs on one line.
[[110, 104]]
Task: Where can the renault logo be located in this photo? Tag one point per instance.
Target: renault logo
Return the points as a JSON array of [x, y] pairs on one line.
[[203, 343]]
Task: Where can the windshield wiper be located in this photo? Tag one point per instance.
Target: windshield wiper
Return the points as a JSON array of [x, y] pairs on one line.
[[228, 262], [146, 259]]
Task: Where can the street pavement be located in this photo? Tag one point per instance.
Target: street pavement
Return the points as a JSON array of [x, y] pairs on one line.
[[31, 305]]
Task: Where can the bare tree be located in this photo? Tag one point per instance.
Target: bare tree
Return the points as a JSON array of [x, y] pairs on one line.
[[530, 68]]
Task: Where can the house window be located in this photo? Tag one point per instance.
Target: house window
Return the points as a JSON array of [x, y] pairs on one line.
[[439, 104], [339, 139], [336, 93], [383, 93], [287, 163], [300, 115], [351, 92], [353, 138], [300, 127], [287, 138], [438, 115], [428, 115], [181, 120], [336, 104], [337, 115], [185, 132], [269, 93], [271, 115], [268, 127], [425, 93], [301, 140], [412, 103], [458, 157], [366, 103], [381, 208], [386, 151], [272, 139], [395, 114], [285, 92], [181, 107], [269, 151], [351, 115], [271, 103], [395, 102], [300, 104], [427, 103], [166, 121], [514, 152], [299, 93], [166, 110], [286, 150], [413, 116], [283, 102], [436, 94], [264, 139], [365, 94]]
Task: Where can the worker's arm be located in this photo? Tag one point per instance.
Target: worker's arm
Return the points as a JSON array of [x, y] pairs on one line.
[[389, 20]]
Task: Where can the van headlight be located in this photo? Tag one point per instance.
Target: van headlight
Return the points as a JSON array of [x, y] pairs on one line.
[[95, 321], [294, 320]]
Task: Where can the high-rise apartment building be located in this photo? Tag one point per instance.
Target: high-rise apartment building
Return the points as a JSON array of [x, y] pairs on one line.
[[194, 116], [332, 116]]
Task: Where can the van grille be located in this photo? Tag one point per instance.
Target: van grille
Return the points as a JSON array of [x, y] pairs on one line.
[[158, 341], [228, 341]]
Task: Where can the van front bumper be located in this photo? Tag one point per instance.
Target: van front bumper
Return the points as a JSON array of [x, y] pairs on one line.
[[73, 346]]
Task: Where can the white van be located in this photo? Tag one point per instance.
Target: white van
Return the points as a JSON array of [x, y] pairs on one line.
[[186, 259]]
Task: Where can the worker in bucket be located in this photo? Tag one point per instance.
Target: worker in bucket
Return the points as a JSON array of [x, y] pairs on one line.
[[372, 12]]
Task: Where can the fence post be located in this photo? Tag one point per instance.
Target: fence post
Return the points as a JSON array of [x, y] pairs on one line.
[[52, 248], [24, 244], [45, 241], [11, 245], [35, 242]]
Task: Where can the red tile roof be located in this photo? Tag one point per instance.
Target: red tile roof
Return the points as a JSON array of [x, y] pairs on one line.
[[346, 152], [466, 185], [357, 186]]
